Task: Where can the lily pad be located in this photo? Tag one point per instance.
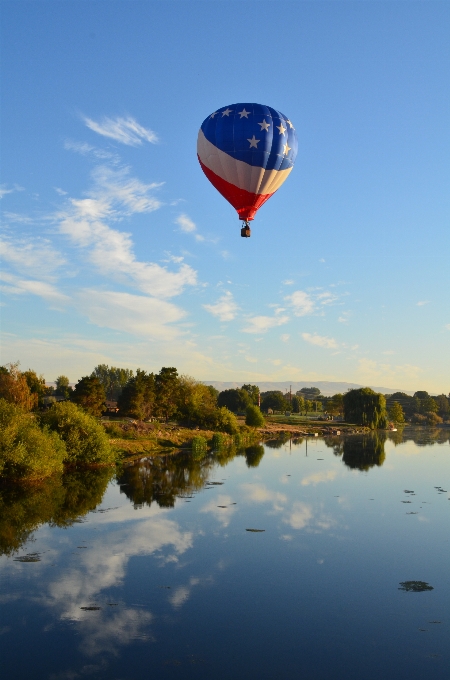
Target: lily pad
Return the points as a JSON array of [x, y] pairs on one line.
[[415, 586], [90, 609], [31, 557]]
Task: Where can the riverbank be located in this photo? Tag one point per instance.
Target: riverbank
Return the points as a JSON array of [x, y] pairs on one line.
[[152, 439]]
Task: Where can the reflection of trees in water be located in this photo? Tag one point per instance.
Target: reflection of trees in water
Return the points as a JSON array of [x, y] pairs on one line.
[[253, 455], [277, 443], [58, 500], [426, 436], [360, 452], [365, 451], [164, 478]]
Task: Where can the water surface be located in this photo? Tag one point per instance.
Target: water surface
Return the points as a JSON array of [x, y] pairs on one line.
[[278, 561]]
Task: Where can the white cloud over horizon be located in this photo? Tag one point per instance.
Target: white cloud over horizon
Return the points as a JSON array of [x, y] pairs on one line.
[[261, 324], [136, 314], [320, 340]]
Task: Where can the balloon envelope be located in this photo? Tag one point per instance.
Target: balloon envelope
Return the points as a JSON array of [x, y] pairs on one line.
[[247, 151]]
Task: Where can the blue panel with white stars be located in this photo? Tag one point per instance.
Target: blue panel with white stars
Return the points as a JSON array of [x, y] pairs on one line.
[[253, 133]]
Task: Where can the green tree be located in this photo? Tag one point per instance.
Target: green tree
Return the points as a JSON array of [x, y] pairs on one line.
[[36, 383], [253, 393], [295, 404], [26, 450], [254, 417], [428, 405], [166, 389], [310, 393], [308, 406], [421, 394], [14, 387], [63, 388], [112, 378], [196, 402], [90, 395], [275, 400], [365, 407], [234, 399], [443, 405], [137, 398], [335, 405], [86, 440], [396, 413]]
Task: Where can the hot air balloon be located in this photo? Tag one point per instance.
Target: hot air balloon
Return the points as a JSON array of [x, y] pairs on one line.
[[247, 151]]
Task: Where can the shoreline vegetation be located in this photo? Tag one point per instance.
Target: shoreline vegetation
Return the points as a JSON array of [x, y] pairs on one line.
[[114, 415]]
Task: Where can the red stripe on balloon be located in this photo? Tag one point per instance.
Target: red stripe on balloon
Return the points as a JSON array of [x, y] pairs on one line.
[[243, 201]]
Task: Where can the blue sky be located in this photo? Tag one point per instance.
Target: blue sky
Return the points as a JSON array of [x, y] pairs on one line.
[[116, 249]]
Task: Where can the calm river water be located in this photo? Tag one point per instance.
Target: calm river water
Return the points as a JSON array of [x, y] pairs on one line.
[[316, 560]]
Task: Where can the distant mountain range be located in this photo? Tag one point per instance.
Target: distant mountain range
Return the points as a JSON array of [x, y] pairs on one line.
[[326, 388]]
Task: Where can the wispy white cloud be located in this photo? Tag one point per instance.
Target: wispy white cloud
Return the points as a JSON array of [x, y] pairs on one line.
[[288, 282], [448, 326], [261, 324], [285, 337], [225, 308], [115, 194], [344, 317], [32, 256], [326, 298], [135, 314], [85, 149], [17, 286], [125, 130], [320, 340], [421, 303], [5, 190], [188, 226]]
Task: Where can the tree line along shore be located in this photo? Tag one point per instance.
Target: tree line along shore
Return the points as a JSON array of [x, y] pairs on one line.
[[115, 412]]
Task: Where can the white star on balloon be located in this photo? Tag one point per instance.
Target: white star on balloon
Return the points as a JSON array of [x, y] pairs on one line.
[[243, 113], [213, 114], [290, 124], [227, 112], [264, 126], [286, 149], [281, 128], [253, 142]]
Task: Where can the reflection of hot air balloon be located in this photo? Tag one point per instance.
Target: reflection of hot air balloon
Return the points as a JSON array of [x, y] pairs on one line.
[[247, 151]]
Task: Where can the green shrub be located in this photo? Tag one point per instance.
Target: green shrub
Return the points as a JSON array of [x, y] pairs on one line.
[[225, 421], [199, 447], [26, 450], [85, 439], [114, 430], [254, 417], [433, 418], [218, 440]]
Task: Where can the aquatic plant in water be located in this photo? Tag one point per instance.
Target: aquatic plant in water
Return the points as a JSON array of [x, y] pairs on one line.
[[415, 586]]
